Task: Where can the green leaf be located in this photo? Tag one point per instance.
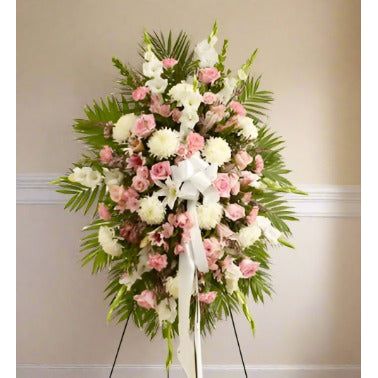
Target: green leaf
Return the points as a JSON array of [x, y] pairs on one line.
[[246, 312], [168, 336]]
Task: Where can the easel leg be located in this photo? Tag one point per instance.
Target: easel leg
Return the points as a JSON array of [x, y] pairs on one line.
[[237, 340]]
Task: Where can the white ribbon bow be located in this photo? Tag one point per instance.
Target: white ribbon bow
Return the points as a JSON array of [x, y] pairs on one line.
[[192, 177]]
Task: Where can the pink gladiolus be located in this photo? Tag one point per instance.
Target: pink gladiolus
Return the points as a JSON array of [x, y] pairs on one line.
[[209, 98], [103, 212], [146, 299], [238, 108], [243, 159], [139, 93], [208, 75], [207, 297], [248, 268], [251, 217], [259, 164], [234, 211], [169, 62], [135, 161]]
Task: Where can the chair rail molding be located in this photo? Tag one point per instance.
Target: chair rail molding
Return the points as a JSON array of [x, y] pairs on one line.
[[321, 201]]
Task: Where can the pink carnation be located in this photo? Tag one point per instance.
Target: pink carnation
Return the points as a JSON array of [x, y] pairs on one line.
[[238, 108], [146, 299], [209, 98], [169, 62], [139, 93], [259, 164], [103, 212], [157, 262], [144, 125], [234, 211], [160, 171], [243, 159], [208, 75], [207, 297], [251, 217], [106, 155], [140, 184], [222, 185], [195, 142], [248, 267]]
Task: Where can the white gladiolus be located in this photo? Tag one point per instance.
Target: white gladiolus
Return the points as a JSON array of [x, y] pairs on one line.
[[247, 129], [151, 210], [242, 75], [164, 143], [167, 310], [86, 176], [227, 91], [206, 52], [247, 236], [113, 177], [153, 68], [122, 129], [107, 241], [270, 232], [209, 215], [189, 118], [157, 84], [129, 279], [232, 276], [172, 286], [217, 151]]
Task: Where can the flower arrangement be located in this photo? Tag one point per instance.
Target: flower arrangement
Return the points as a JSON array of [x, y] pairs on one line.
[[185, 178]]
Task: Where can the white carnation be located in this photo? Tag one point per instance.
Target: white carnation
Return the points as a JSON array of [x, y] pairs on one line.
[[157, 84], [209, 215], [164, 143], [123, 127], [227, 91], [206, 52], [167, 310], [151, 210], [217, 151], [247, 129], [172, 286], [86, 176], [107, 241], [248, 235], [270, 232], [232, 276], [113, 177]]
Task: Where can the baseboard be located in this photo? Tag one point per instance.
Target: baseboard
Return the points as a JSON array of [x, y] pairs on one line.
[[210, 371], [321, 201]]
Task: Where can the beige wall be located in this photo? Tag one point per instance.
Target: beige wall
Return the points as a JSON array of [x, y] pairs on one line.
[[309, 56]]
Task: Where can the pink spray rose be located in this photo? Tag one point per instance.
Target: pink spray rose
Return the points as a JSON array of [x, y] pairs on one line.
[[106, 155], [139, 93], [209, 98], [251, 217], [222, 185], [160, 171], [157, 262], [238, 108], [208, 75], [103, 212], [140, 184], [169, 62], [234, 211], [146, 299], [243, 159], [248, 267], [195, 142], [207, 297], [144, 125], [143, 172], [259, 164], [135, 161]]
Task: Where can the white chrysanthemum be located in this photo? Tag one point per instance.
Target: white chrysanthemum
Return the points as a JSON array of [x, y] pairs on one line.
[[232, 276], [209, 215], [227, 91], [172, 286], [113, 177], [270, 232], [164, 143], [248, 235], [86, 176], [217, 151], [151, 210], [167, 310], [247, 129], [157, 84], [107, 241], [206, 52], [123, 127]]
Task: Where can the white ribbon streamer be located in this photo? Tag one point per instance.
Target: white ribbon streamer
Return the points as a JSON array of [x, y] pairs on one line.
[[193, 177]]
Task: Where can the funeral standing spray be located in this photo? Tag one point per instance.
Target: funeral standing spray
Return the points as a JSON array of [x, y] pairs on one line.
[[185, 178]]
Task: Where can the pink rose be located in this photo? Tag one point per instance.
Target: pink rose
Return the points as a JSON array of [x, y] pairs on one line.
[[103, 212], [195, 142], [248, 267], [143, 172], [222, 185], [157, 262], [140, 184], [116, 192], [146, 299], [135, 161], [234, 183], [160, 171], [243, 159], [238, 108], [176, 115], [234, 211], [169, 62], [144, 125], [106, 155], [208, 75], [259, 164], [251, 217], [139, 93], [209, 98], [179, 249], [207, 297]]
